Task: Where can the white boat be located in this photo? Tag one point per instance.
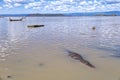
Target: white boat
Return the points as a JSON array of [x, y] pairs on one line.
[[16, 19]]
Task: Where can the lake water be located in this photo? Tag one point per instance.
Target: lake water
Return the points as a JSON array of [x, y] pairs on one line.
[[39, 53]]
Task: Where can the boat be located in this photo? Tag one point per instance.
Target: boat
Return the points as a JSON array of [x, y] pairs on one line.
[[35, 26], [20, 19]]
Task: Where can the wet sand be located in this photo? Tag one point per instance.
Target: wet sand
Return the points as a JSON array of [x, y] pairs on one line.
[[53, 63]]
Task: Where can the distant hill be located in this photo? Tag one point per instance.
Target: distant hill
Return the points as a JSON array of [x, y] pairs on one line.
[[110, 13], [45, 14], [13, 15]]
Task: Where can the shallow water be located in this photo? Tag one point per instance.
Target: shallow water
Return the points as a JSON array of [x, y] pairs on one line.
[[39, 53]]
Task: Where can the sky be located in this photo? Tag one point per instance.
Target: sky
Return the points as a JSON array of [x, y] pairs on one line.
[[57, 6]]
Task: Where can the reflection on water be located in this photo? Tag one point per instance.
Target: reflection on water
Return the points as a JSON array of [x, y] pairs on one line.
[[38, 53]]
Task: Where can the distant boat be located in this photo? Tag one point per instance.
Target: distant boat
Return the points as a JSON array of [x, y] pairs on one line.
[[20, 19], [35, 26]]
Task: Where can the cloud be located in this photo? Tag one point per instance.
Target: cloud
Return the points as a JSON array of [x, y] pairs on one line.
[[17, 4], [18, 1], [113, 0], [65, 5], [76, 5], [113, 6], [0, 7], [83, 3], [8, 5], [34, 4]]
